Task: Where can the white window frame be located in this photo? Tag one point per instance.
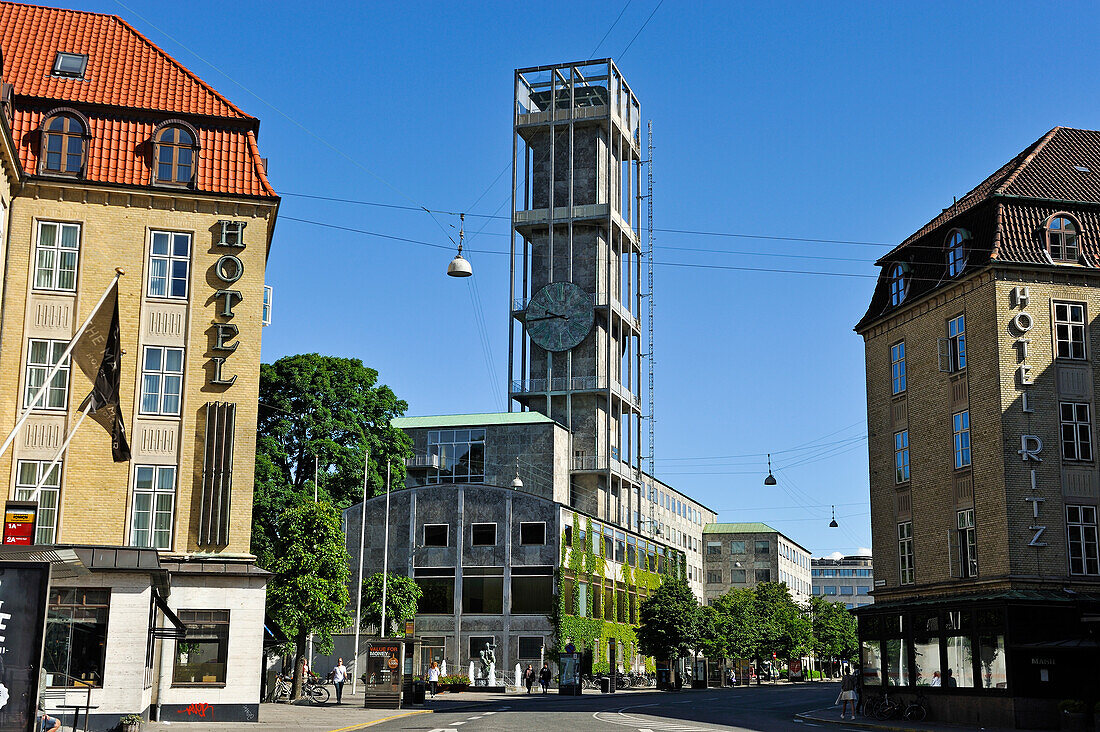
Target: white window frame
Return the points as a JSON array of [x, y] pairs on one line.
[[424, 535], [532, 523], [55, 250], [157, 489], [906, 559], [169, 259], [1070, 330], [269, 299], [960, 433], [162, 376], [901, 457], [60, 381], [496, 534], [897, 368], [956, 336], [1079, 425], [968, 543], [46, 519], [1081, 534]]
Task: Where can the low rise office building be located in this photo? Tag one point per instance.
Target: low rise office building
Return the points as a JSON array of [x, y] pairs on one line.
[[741, 555], [848, 580]]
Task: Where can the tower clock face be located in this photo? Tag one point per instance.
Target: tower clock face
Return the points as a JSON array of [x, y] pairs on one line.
[[559, 316]]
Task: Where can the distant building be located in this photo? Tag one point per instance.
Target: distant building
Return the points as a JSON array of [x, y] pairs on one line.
[[741, 555], [848, 580]]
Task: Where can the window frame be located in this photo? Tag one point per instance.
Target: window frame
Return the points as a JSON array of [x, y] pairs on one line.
[[170, 258], [898, 282], [66, 135], [1072, 327], [102, 611], [57, 250], [906, 558], [532, 523], [968, 543], [191, 619], [45, 532], [901, 457], [1050, 233], [1076, 536], [956, 337], [897, 368], [473, 529], [57, 71], [176, 146], [446, 535], [64, 373], [960, 435], [957, 251], [162, 374], [154, 509], [1079, 428]]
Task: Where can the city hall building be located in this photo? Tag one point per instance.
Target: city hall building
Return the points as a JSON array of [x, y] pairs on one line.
[[125, 160], [981, 390]]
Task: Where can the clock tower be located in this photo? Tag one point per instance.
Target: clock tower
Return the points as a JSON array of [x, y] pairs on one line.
[[574, 337]]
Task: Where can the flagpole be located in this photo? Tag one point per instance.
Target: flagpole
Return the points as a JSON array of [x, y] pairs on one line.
[[60, 453], [359, 584], [57, 367], [386, 550]]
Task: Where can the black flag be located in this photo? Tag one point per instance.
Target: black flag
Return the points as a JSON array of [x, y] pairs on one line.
[[104, 367]]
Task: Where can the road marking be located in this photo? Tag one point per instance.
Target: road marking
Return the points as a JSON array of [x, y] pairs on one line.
[[444, 729], [488, 713]]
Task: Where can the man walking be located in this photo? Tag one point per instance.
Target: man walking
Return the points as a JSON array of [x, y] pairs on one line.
[[339, 676], [544, 677]]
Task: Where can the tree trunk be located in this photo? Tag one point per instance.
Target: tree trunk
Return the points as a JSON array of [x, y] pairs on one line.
[[299, 658]]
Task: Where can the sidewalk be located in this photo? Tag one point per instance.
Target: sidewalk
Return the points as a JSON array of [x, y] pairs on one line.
[[831, 715]]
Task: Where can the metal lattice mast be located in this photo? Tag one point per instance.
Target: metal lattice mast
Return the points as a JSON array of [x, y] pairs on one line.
[[649, 289]]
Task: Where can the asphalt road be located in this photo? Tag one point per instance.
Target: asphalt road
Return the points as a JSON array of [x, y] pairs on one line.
[[753, 708]]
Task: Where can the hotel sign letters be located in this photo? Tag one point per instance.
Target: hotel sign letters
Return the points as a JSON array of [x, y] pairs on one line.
[[1030, 445], [227, 271]]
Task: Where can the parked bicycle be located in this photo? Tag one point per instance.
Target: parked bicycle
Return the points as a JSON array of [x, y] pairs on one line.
[[313, 689], [915, 711], [887, 708]]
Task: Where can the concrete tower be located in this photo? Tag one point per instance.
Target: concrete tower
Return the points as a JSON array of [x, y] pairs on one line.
[[575, 273]]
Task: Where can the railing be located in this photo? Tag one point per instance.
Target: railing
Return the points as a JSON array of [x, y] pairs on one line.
[[426, 461], [575, 383], [79, 687]]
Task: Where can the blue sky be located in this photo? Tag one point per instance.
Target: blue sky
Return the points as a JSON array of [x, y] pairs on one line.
[[855, 121]]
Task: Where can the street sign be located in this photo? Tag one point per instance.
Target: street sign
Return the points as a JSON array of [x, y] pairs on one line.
[[19, 522]]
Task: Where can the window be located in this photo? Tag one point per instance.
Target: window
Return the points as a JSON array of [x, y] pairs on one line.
[[201, 656], [63, 145], [961, 430], [762, 547], [1062, 239], [1084, 556], [27, 476], [968, 544], [817, 590], [70, 65], [461, 455], [1069, 330], [478, 643], [737, 547], [269, 297], [483, 590], [737, 575], [863, 590], [175, 150], [956, 337], [161, 380], [714, 547], [532, 532], [154, 499], [899, 283], [76, 636], [436, 534], [901, 456], [483, 534], [956, 252], [905, 552], [714, 577], [530, 647], [43, 355], [533, 590], [55, 256], [897, 368], [763, 575], [830, 589], [847, 590], [1076, 431], [169, 264], [438, 588]]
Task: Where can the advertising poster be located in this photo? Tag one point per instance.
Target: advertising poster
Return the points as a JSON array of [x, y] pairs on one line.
[[23, 587]]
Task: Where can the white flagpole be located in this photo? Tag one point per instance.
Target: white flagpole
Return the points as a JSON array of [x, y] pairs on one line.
[[60, 453], [57, 367], [386, 550], [359, 584]]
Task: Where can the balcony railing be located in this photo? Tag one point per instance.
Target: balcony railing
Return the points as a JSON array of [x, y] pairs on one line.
[[600, 462], [575, 383], [426, 461]]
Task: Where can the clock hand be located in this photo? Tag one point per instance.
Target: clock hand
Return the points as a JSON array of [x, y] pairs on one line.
[[547, 317]]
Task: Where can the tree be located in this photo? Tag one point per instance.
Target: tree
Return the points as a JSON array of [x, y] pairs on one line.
[[834, 629], [308, 589], [402, 596], [730, 628], [330, 408], [783, 628], [670, 621]]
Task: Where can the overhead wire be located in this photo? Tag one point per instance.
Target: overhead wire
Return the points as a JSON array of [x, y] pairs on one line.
[[654, 12]]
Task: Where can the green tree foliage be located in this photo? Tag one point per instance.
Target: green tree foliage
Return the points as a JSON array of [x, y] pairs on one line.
[[308, 589], [731, 628], [671, 621], [834, 629], [402, 596], [332, 408], [782, 626]]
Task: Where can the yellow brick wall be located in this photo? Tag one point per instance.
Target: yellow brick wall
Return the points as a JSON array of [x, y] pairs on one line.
[[95, 495]]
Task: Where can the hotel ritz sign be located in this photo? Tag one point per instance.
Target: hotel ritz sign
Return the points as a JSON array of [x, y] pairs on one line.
[[1030, 445], [227, 271]]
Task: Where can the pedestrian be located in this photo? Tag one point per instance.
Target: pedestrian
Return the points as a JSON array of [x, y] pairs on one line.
[[859, 687], [544, 678], [847, 694], [433, 677], [46, 723], [529, 676], [339, 676], [936, 680], [949, 679], [731, 677]]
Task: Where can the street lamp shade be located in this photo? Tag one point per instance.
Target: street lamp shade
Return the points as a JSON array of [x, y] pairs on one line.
[[459, 266], [770, 480], [833, 524]]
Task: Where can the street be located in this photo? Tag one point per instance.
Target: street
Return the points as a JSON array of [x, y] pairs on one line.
[[752, 708]]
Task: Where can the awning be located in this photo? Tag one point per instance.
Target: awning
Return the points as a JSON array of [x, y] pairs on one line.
[[178, 629], [65, 564]]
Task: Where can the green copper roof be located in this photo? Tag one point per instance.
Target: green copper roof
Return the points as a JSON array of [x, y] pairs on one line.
[[749, 528], [470, 420]]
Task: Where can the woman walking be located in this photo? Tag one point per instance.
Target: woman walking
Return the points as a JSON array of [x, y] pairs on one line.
[[529, 678], [433, 677], [544, 677], [847, 693], [339, 676]]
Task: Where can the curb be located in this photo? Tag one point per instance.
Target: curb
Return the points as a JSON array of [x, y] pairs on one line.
[[807, 717], [380, 721]]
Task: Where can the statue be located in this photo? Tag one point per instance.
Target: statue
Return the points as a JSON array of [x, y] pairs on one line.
[[488, 660]]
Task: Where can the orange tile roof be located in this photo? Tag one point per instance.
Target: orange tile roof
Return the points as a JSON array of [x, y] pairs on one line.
[[145, 86]]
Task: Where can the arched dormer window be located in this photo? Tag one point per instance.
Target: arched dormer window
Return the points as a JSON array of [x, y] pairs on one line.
[[175, 156], [1062, 232], [64, 138], [957, 245], [899, 283]]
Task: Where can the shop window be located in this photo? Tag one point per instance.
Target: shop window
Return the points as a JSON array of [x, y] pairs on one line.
[[201, 655], [960, 663], [76, 637], [991, 662], [870, 655], [896, 653]]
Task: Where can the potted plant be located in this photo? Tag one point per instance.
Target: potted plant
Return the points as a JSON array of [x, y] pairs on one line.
[[1072, 713], [131, 723]]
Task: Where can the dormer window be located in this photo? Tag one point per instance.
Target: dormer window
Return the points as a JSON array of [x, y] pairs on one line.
[[70, 65], [1062, 239], [899, 283], [956, 252], [176, 153], [63, 137]]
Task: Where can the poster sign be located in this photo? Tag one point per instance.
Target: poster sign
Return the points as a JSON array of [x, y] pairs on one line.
[[23, 588], [410, 628], [19, 520]]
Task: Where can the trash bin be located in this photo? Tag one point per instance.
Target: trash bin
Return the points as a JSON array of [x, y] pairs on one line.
[[605, 685], [418, 692]]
